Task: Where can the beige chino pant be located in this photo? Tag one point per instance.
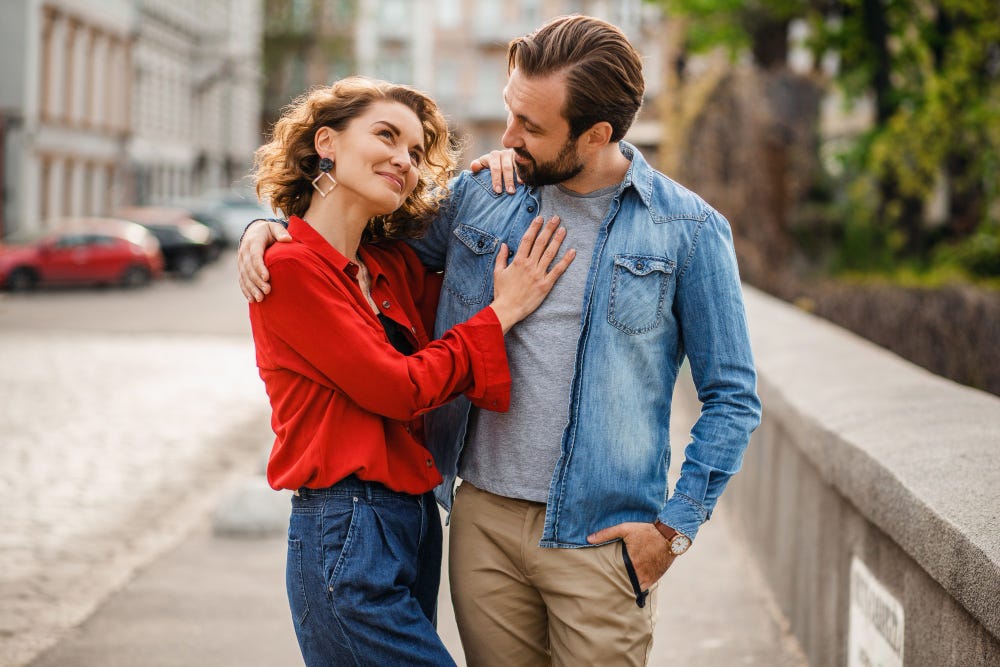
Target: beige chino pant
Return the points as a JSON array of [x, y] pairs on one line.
[[521, 605]]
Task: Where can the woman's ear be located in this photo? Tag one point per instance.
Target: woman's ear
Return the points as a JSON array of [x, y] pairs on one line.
[[324, 142]]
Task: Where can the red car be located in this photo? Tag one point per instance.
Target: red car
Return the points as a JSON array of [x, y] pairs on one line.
[[83, 250]]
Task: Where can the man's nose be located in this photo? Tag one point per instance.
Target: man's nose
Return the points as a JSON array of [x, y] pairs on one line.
[[510, 138]]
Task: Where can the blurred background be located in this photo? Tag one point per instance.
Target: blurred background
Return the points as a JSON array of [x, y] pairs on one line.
[[854, 145]]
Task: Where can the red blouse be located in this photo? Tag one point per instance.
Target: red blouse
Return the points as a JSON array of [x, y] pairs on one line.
[[343, 400]]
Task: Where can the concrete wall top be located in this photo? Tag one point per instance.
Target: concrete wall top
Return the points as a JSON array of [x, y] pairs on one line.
[[917, 454]]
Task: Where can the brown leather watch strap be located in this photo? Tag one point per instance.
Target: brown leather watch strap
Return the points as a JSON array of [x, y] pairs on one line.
[[665, 530]]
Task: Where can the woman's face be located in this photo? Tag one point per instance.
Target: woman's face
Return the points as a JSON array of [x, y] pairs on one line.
[[377, 157]]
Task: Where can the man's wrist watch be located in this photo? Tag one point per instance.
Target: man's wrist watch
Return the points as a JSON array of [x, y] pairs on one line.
[[677, 542]]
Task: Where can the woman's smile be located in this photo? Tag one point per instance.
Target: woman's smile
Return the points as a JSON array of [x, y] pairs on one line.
[[396, 180]]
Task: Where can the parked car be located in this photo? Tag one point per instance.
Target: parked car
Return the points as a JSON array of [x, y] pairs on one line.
[[83, 250], [231, 210], [187, 245], [211, 221]]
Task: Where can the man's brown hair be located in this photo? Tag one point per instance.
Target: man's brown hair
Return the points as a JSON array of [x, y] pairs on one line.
[[603, 71]]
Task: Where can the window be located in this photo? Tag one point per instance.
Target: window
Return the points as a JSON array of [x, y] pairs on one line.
[[302, 11], [70, 241], [446, 80], [394, 13], [449, 13], [340, 9], [394, 66]]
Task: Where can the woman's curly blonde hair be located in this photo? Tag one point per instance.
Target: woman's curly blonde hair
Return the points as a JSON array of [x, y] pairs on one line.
[[285, 166]]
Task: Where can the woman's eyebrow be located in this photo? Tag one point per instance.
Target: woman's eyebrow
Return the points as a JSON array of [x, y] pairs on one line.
[[395, 130]]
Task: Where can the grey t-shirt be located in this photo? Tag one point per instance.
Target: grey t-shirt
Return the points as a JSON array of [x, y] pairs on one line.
[[514, 454]]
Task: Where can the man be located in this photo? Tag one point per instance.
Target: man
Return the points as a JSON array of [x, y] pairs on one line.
[[562, 525]]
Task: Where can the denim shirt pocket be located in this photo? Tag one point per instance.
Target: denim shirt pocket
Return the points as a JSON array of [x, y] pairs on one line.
[[470, 263], [640, 285]]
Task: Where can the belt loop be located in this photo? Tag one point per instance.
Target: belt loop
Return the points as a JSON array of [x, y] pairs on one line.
[[369, 491]]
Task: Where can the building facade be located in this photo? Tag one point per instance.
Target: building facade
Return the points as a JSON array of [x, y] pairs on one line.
[[464, 63], [106, 103], [306, 43], [453, 49]]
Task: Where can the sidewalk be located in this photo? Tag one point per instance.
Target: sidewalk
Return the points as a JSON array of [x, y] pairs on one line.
[[217, 600], [221, 601]]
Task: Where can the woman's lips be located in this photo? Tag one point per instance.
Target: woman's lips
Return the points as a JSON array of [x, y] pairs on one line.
[[393, 178]]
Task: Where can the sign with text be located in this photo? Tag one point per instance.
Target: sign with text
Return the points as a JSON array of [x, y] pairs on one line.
[[875, 633]]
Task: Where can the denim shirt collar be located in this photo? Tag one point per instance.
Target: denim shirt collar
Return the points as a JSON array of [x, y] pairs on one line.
[[639, 175]]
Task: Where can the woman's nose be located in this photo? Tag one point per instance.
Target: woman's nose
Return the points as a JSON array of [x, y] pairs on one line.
[[401, 159]]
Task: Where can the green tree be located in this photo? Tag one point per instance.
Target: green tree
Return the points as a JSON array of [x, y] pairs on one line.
[[932, 70]]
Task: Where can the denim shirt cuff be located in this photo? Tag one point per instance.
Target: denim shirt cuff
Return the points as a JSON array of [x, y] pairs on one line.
[[684, 514], [281, 221]]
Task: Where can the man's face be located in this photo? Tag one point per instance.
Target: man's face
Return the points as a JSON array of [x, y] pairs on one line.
[[537, 130]]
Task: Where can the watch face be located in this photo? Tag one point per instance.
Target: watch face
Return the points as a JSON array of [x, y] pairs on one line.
[[679, 544]]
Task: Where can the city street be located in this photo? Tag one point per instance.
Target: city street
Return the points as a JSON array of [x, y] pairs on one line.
[[129, 417], [125, 414]]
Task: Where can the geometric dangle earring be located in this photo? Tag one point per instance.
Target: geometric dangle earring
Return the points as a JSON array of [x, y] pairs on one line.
[[325, 165]]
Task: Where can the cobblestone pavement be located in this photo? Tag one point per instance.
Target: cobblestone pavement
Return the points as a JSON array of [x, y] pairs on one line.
[[110, 439]]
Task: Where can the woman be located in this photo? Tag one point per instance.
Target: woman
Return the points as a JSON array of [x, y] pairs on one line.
[[343, 349]]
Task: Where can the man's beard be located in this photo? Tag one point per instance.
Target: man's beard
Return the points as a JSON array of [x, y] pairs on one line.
[[566, 165]]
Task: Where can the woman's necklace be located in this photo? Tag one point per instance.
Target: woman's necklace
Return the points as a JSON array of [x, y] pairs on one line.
[[365, 282]]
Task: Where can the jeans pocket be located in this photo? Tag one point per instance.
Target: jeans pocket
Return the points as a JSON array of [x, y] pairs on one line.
[[295, 583], [640, 595], [640, 286], [340, 528]]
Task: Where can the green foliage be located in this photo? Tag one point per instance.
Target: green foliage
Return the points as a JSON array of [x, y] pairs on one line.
[[932, 69], [978, 254], [862, 245], [732, 24], [714, 23]]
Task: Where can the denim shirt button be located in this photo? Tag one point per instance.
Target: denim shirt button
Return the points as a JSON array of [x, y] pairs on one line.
[[531, 209], [480, 243]]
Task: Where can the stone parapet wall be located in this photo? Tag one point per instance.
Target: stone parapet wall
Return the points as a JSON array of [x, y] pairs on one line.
[[864, 456]]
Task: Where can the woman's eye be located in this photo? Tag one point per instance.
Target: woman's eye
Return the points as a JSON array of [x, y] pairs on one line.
[[386, 134], [415, 158]]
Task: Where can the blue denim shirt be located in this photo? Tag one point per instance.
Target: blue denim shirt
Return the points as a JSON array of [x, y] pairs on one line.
[[663, 283]]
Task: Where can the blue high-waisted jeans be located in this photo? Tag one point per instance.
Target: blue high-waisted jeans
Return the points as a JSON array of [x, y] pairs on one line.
[[364, 565]]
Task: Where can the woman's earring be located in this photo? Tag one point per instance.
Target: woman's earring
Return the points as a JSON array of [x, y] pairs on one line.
[[325, 165]]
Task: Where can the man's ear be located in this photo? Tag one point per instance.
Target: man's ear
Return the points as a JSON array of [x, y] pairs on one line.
[[596, 136], [325, 142]]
